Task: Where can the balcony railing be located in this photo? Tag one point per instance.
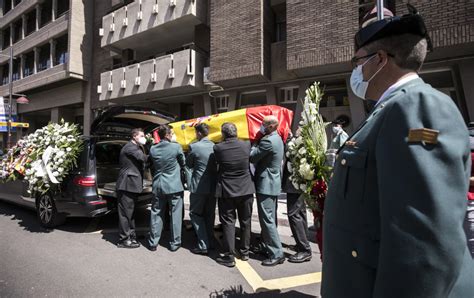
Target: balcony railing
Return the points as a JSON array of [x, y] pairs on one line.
[[146, 16], [177, 73]]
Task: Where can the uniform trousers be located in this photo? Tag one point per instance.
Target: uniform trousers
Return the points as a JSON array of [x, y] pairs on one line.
[[266, 214], [157, 216], [202, 211], [469, 226], [227, 216], [126, 214], [296, 209]]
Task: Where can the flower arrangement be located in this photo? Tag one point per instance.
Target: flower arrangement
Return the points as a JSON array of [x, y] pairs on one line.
[[307, 152], [43, 158]]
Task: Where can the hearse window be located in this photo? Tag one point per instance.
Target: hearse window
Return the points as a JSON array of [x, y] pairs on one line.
[[108, 153]]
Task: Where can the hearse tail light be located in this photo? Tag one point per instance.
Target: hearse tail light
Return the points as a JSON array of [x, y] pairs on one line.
[[84, 181]]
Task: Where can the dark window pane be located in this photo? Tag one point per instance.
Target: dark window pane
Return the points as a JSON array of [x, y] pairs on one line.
[[46, 12], [4, 74], [44, 58], [17, 30], [29, 64], [61, 50], [62, 7], [16, 69], [31, 22], [6, 38]]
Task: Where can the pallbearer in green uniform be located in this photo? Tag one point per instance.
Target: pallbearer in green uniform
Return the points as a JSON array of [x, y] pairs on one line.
[[202, 165], [267, 157], [396, 203], [167, 161]]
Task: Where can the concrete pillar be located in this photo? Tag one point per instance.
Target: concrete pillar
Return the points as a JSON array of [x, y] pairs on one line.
[[22, 66], [55, 115], [54, 8], [207, 104], [356, 106], [87, 117], [23, 26], [11, 33], [38, 17], [466, 73], [198, 107], [271, 96], [52, 51], [36, 58], [233, 100]]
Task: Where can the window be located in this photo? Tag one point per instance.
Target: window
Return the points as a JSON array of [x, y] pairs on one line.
[[62, 7], [222, 103], [288, 95], [16, 2], [30, 22], [29, 64], [17, 30], [46, 12], [61, 55], [279, 26], [6, 38], [4, 73], [16, 69], [335, 98], [253, 99], [7, 6], [44, 61]]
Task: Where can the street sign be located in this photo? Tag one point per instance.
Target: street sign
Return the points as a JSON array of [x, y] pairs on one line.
[[15, 124], [3, 120], [4, 106]]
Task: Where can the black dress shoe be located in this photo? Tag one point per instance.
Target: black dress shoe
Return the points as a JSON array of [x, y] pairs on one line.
[[227, 261], [244, 256], [127, 244], [151, 247], [135, 242], [198, 251], [300, 257], [173, 249], [273, 262]]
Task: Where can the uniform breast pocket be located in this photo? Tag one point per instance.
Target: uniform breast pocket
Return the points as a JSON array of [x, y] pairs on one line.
[[351, 173]]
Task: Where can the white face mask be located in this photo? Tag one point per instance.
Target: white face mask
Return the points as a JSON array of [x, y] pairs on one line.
[[336, 129], [142, 140], [358, 85], [173, 138]]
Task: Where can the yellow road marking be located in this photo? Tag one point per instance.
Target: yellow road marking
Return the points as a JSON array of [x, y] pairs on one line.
[[260, 285], [249, 274]]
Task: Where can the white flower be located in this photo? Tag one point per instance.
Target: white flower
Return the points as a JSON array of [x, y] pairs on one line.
[[306, 172], [55, 174], [303, 187], [290, 167], [60, 170], [68, 149], [302, 151]]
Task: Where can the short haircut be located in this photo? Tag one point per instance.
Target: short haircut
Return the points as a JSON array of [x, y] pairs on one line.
[[229, 130], [163, 130], [135, 132], [203, 129], [409, 50], [270, 120]]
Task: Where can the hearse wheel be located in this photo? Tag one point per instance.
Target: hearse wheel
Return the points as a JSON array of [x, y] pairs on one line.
[[47, 213]]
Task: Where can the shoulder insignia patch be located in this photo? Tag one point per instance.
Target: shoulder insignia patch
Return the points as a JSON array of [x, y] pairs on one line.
[[424, 135]]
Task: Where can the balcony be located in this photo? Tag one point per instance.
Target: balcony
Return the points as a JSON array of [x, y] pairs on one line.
[[43, 35], [152, 20], [178, 73], [17, 11]]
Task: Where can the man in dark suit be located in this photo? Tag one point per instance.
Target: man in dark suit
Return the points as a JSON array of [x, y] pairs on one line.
[[297, 217], [201, 162], [267, 157], [129, 185], [235, 191], [167, 161], [393, 218]]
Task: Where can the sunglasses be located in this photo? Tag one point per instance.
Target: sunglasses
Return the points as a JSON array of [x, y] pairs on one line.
[[355, 60]]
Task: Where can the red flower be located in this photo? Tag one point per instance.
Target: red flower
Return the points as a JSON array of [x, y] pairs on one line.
[[319, 187]]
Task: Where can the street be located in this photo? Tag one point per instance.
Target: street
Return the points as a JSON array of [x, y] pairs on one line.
[[80, 259]]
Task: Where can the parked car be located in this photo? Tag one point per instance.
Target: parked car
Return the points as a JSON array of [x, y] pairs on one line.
[[89, 190]]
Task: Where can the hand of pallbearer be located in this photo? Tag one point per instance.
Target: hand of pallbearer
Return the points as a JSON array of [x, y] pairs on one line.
[[248, 123]]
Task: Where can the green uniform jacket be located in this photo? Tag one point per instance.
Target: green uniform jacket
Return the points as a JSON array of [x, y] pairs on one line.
[[202, 165], [268, 157], [395, 208], [167, 160]]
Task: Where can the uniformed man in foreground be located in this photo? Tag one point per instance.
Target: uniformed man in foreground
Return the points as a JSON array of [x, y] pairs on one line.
[[202, 210], [396, 203], [267, 157]]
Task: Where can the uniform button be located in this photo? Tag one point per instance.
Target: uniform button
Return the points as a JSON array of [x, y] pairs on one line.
[[343, 162], [354, 254], [382, 106]]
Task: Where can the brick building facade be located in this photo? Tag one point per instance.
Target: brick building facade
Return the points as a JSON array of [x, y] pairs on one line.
[[197, 57]]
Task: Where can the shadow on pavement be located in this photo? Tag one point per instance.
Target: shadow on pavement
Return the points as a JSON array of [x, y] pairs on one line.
[[237, 291]]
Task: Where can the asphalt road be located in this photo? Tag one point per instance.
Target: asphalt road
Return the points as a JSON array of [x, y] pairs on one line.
[[80, 259]]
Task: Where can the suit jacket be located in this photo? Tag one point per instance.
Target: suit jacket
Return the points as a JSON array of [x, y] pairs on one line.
[[233, 178], [268, 157], [394, 210], [132, 163], [202, 165], [167, 159]]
